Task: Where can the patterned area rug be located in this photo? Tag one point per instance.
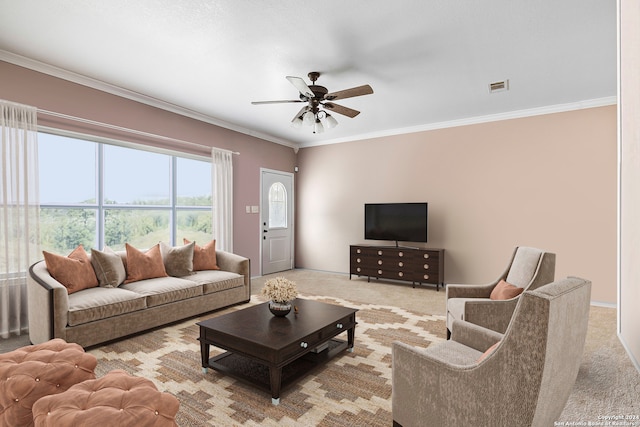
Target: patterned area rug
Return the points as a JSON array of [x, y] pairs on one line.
[[351, 389]]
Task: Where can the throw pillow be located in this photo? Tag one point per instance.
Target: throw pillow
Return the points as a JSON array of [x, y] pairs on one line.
[[488, 352], [144, 265], [109, 267], [204, 258], [73, 271], [178, 260], [504, 290]]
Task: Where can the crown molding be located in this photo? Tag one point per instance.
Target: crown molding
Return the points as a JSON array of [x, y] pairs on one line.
[[144, 99], [61, 73], [550, 109]]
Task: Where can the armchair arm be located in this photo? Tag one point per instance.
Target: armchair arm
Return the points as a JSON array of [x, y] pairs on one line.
[[492, 314], [474, 336], [469, 291], [429, 391]]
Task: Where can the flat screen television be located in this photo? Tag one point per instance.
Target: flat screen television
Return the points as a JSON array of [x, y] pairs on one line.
[[399, 222]]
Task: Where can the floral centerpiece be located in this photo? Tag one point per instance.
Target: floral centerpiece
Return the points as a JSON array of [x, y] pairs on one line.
[[280, 292]]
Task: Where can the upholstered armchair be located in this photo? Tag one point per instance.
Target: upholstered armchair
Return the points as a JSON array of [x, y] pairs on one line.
[[491, 305], [524, 380]]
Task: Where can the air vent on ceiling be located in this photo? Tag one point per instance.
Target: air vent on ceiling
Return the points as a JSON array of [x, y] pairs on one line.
[[499, 86]]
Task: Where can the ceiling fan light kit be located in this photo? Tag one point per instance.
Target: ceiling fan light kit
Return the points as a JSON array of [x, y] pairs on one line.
[[318, 98]]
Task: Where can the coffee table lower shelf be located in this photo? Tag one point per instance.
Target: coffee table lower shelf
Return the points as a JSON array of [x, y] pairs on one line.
[[256, 373]]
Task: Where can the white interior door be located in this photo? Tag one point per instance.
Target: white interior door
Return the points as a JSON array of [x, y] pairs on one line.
[[276, 207]]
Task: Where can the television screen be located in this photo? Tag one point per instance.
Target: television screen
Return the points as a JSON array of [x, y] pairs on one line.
[[404, 222]]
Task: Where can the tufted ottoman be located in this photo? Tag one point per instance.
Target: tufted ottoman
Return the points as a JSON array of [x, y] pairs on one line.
[[117, 399], [30, 372]]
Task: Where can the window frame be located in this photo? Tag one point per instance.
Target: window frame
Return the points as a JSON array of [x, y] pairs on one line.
[[100, 207]]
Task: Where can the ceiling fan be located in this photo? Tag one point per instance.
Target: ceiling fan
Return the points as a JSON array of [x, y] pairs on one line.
[[319, 102]]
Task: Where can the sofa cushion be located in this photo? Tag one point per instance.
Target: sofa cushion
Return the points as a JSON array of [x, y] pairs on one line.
[[74, 271], [163, 290], [108, 267], [216, 280], [178, 260], [454, 352], [204, 258], [101, 303], [144, 265]]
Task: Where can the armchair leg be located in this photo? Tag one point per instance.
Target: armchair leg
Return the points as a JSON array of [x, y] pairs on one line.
[[448, 334]]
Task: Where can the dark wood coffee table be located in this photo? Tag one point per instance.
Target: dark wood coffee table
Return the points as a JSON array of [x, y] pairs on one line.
[[273, 352]]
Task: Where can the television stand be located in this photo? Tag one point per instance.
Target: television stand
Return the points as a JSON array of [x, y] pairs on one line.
[[415, 265]]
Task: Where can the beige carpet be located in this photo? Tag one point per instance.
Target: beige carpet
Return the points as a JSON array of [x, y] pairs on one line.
[[351, 389], [608, 383]]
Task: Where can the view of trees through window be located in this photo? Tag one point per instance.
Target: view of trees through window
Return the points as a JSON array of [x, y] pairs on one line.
[[97, 195]]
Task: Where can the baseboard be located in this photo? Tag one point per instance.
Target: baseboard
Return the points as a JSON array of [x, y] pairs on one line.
[[635, 362]]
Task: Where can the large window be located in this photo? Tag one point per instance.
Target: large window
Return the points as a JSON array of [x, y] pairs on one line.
[[97, 194]]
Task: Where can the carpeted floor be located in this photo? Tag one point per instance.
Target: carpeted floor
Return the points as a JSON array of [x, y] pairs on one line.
[[354, 388], [608, 384], [351, 389]]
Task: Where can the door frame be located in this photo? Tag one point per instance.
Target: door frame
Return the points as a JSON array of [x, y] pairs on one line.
[[293, 213]]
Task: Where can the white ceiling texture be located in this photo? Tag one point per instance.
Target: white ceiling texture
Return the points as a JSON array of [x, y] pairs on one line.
[[429, 62]]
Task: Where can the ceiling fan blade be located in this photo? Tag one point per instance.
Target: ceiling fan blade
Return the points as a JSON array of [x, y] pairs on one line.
[[277, 102], [349, 93], [349, 112], [301, 86]]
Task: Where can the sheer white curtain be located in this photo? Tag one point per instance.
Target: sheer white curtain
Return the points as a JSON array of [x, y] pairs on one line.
[[19, 212], [222, 187]]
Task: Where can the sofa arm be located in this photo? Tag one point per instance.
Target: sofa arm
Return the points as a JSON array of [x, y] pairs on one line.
[[48, 302], [234, 263]]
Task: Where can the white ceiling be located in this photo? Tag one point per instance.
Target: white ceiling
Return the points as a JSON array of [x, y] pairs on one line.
[[428, 62]]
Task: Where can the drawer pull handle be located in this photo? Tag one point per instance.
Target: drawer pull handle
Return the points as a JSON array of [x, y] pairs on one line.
[[304, 344], [339, 326], [426, 255], [426, 266], [379, 252], [400, 264], [400, 254], [358, 250], [379, 262], [401, 274], [358, 260]]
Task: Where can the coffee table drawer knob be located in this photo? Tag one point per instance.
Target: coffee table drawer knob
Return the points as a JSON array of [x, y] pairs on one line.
[[304, 344], [339, 326]]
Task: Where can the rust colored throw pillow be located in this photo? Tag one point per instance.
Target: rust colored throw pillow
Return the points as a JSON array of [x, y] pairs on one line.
[[504, 290], [74, 271], [144, 265], [204, 258], [488, 352]]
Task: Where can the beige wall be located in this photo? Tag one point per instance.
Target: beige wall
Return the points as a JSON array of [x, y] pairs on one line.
[[547, 181], [49, 93], [629, 295]]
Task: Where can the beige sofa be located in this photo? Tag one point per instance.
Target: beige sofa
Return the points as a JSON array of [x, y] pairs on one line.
[[100, 314]]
